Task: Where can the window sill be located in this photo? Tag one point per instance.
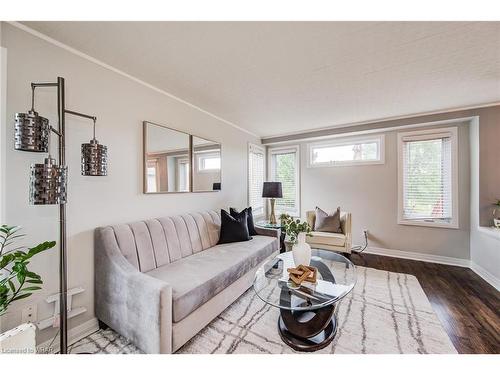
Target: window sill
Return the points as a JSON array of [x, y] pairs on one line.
[[429, 224], [490, 231]]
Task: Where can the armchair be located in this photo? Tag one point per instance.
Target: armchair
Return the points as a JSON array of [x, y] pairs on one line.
[[341, 242]]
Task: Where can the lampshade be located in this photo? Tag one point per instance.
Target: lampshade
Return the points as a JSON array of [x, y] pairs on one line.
[[272, 190], [31, 132], [94, 159], [48, 183]]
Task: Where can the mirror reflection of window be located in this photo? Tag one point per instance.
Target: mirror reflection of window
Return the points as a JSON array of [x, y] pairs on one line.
[[152, 183], [183, 174], [207, 165], [167, 159], [209, 162]]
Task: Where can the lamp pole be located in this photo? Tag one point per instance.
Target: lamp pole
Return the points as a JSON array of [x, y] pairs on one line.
[[63, 271]]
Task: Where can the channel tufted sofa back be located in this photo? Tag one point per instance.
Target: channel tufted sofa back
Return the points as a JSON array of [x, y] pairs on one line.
[[153, 243]]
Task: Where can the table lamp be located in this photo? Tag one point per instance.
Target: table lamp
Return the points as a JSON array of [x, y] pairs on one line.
[[272, 190]]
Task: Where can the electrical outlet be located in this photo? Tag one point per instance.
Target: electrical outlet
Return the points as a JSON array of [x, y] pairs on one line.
[[29, 314]]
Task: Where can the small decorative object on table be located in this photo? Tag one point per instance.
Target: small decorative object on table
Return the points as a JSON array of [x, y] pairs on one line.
[[303, 273], [297, 232], [496, 214]]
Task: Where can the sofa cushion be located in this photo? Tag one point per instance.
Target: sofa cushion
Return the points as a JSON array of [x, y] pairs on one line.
[[326, 238], [250, 223], [156, 242], [198, 278], [234, 228]]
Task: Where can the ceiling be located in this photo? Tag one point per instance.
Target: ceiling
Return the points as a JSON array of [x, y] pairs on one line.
[[275, 78]]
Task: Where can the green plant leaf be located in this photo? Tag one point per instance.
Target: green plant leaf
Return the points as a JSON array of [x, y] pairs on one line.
[[40, 247], [30, 288], [21, 297], [12, 286], [33, 275], [34, 281]]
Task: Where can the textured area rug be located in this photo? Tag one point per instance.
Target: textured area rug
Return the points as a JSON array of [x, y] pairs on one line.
[[385, 313]]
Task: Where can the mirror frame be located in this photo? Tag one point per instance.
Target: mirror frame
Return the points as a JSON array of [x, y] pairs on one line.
[[193, 162], [190, 156]]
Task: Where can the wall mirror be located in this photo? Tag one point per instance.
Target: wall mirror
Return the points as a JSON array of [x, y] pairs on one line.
[[206, 163], [166, 159]]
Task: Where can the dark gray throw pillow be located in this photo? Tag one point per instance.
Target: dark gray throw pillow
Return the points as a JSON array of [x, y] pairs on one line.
[[250, 224], [327, 223], [233, 228]]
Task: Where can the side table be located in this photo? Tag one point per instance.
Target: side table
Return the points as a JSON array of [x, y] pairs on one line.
[[266, 224]]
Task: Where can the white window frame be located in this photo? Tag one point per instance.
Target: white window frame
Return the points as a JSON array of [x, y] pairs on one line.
[[270, 172], [342, 141], [251, 148], [200, 156], [421, 135]]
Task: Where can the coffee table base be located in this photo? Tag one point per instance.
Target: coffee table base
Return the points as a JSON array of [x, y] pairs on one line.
[[295, 337]]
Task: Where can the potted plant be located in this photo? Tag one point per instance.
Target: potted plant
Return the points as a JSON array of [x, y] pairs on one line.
[[16, 280], [496, 214], [283, 217], [297, 232]]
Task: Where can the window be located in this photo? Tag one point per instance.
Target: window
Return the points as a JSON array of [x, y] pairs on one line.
[[256, 172], [284, 167], [347, 151], [152, 179], [428, 184], [208, 162], [183, 174]]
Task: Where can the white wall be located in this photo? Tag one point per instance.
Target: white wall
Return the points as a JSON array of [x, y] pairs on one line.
[[484, 241], [370, 193], [121, 105]]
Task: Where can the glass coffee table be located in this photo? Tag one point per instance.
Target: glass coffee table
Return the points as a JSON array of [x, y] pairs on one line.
[[308, 313]]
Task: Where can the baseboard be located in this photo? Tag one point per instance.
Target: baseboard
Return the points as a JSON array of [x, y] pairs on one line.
[[74, 334], [485, 275], [480, 271], [418, 256]]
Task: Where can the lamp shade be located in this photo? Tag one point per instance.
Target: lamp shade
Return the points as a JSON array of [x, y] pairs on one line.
[[48, 183], [94, 159], [31, 132], [272, 190]]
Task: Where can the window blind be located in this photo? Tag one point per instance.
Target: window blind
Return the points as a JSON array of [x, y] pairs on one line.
[[284, 170], [427, 177], [256, 171]]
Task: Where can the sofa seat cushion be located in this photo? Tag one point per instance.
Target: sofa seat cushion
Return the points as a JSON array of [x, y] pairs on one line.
[[199, 277], [326, 238]]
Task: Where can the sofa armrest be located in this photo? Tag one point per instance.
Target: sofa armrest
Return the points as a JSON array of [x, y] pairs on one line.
[[271, 232], [134, 304], [345, 221]]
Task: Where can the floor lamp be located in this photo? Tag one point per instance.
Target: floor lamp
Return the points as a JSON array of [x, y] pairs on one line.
[[48, 181]]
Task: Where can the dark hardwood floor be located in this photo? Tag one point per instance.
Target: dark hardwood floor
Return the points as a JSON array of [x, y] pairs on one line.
[[467, 306]]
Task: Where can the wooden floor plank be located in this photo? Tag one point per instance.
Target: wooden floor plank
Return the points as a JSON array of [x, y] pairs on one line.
[[467, 306]]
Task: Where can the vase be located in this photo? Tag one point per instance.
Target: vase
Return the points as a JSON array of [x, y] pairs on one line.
[[301, 251], [496, 216]]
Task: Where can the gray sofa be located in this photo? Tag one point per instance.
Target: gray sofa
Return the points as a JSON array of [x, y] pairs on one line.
[[158, 282]]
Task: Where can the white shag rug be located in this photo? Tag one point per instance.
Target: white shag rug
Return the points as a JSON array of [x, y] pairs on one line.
[[386, 313]]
